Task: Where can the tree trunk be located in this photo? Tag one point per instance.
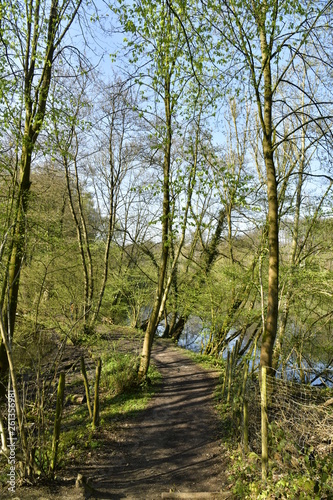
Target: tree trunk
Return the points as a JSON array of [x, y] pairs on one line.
[[273, 261], [17, 251], [269, 335], [35, 100], [153, 319], [178, 327]]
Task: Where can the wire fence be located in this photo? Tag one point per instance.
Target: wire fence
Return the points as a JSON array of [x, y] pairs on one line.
[[292, 423], [303, 411]]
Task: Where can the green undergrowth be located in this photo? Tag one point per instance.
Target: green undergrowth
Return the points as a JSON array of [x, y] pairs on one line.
[[294, 471], [303, 479], [291, 475], [121, 397]]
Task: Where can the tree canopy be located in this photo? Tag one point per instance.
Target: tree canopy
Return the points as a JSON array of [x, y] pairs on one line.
[[169, 164]]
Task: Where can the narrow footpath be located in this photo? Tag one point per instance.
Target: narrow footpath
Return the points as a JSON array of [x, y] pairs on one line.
[[173, 450]]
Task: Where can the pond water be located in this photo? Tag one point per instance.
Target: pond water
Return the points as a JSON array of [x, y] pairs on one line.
[[196, 335]]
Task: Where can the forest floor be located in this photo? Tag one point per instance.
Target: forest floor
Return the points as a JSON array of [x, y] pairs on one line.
[[172, 449]]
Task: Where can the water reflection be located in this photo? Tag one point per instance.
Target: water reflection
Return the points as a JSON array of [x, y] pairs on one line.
[[196, 335]]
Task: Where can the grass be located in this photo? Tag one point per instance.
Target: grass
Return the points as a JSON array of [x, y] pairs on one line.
[[127, 404], [119, 371]]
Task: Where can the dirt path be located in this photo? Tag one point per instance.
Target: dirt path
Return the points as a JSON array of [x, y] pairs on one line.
[[171, 451], [174, 446]]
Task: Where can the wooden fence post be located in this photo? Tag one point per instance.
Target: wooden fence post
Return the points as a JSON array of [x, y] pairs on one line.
[[86, 385], [96, 401], [57, 421], [245, 426], [229, 376], [226, 374], [245, 410], [264, 424]]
